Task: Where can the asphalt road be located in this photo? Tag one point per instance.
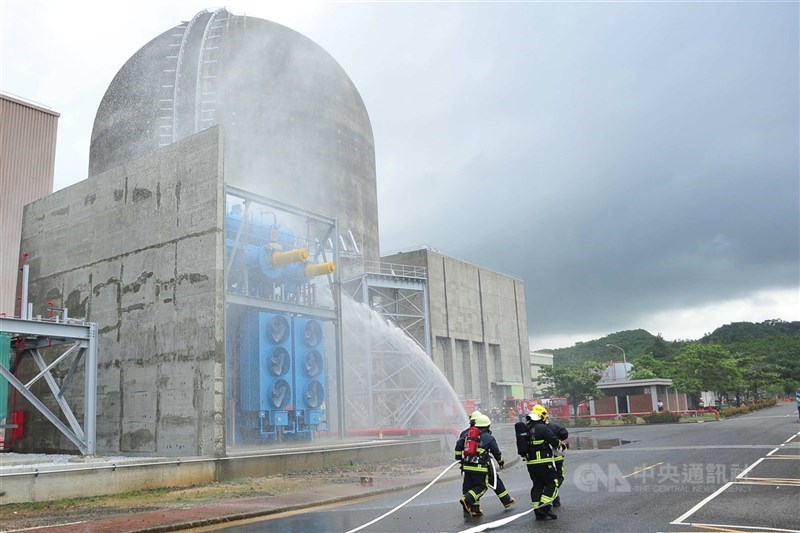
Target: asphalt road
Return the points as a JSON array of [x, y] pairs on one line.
[[740, 474]]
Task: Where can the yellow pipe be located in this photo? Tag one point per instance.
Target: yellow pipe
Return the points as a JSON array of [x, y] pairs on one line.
[[320, 269], [281, 259]]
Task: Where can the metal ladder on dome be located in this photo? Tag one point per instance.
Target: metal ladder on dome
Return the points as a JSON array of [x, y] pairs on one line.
[[209, 70], [170, 78]]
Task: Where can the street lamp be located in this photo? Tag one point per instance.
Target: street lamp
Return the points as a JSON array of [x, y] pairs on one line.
[[624, 361]]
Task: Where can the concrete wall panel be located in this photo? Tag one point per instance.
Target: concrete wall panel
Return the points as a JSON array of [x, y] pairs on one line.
[[138, 250]]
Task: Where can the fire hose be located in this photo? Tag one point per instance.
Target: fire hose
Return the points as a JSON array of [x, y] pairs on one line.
[[493, 486], [384, 515]]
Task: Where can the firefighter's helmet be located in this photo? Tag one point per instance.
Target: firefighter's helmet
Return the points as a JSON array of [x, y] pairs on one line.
[[482, 421], [475, 414], [539, 413]]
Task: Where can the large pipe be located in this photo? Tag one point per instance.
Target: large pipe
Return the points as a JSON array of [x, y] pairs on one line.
[[282, 259], [320, 269]]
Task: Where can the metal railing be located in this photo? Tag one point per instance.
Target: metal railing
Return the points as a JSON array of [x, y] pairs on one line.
[[394, 269]]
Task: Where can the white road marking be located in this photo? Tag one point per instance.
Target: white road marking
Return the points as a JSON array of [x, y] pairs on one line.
[[749, 468], [690, 512], [745, 528]]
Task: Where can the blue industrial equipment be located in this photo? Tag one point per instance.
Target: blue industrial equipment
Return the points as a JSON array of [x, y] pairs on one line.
[[265, 369], [264, 258], [275, 364], [309, 374]]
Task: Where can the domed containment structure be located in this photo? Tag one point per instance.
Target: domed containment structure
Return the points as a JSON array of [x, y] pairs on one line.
[[295, 128]]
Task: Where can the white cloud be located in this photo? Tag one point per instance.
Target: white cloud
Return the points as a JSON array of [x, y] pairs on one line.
[[694, 322]]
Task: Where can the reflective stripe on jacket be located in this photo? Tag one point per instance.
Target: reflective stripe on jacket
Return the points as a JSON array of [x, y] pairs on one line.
[[542, 444]]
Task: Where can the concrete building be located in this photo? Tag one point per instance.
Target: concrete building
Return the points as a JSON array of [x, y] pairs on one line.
[[27, 160], [478, 326], [539, 360]]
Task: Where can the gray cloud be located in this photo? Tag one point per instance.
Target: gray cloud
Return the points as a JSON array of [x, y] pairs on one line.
[[621, 159]]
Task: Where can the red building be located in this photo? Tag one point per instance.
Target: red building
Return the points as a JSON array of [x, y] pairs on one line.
[[623, 396]]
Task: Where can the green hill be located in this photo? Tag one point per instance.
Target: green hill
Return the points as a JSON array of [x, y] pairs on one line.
[[748, 331], [635, 342], [776, 339]]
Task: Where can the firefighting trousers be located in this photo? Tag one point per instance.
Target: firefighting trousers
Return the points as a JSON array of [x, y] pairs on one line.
[[500, 487], [473, 487], [559, 479], [545, 484], [560, 472]]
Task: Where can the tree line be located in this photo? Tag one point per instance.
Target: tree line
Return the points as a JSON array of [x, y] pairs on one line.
[[740, 361]]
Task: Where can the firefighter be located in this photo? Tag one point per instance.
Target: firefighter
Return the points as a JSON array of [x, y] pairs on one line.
[[541, 464], [562, 435], [477, 467]]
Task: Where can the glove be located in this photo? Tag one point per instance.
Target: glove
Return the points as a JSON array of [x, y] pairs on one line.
[[501, 465]]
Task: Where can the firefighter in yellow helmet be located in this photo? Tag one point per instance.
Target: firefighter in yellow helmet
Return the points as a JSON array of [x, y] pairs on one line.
[[541, 466], [476, 466]]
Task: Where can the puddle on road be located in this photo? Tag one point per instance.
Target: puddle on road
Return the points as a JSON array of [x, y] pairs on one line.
[[590, 443]]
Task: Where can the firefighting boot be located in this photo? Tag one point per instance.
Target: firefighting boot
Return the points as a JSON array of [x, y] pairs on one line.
[[545, 513], [509, 503]]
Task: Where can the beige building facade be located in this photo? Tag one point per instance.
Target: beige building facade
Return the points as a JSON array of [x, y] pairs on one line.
[[478, 327], [27, 163]]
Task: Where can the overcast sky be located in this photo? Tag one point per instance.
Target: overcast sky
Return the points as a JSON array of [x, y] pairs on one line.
[[635, 163]]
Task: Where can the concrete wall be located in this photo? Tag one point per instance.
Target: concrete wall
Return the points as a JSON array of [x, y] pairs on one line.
[[479, 330], [139, 250], [102, 476]]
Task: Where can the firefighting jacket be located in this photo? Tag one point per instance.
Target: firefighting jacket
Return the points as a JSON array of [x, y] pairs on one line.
[[562, 434], [542, 444], [487, 445]]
